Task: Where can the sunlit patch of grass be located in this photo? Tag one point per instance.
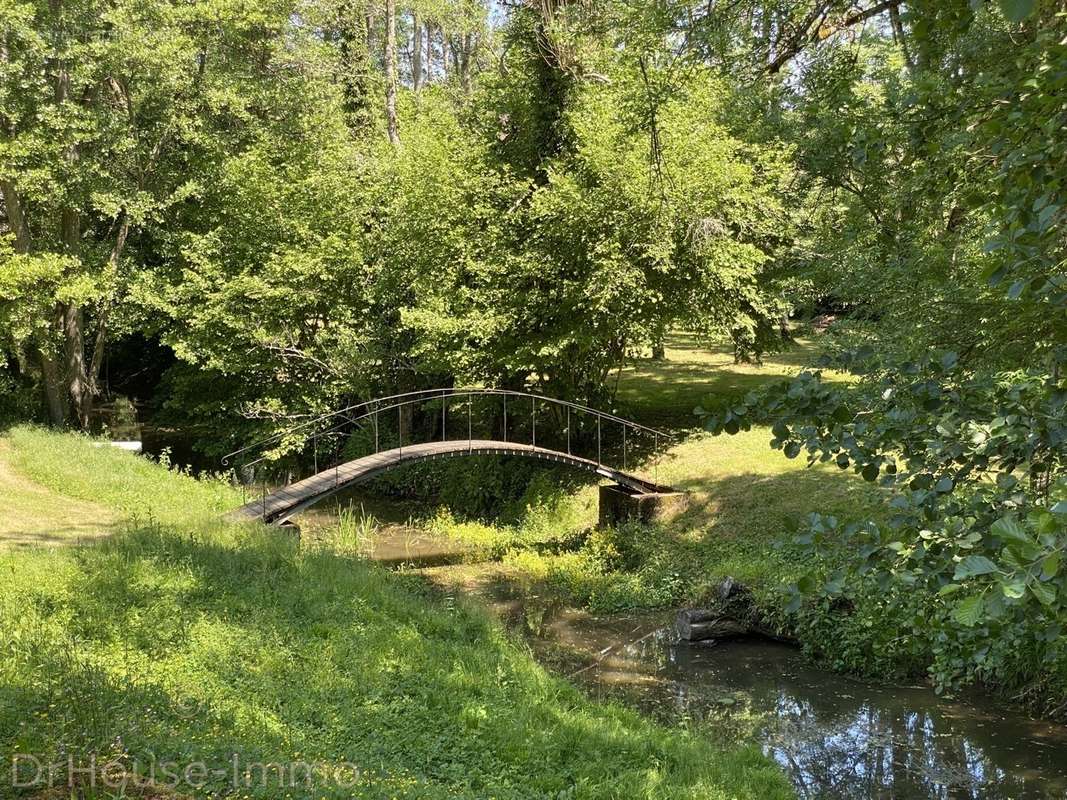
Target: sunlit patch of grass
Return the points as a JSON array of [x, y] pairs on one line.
[[77, 466], [665, 392], [184, 638], [31, 515]]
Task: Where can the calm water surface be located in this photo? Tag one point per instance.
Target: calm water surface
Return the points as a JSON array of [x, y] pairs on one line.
[[835, 737]]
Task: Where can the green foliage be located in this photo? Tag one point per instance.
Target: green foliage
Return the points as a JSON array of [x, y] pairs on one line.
[[974, 533]]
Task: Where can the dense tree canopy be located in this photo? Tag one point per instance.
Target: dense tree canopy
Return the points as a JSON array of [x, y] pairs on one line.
[[310, 202]]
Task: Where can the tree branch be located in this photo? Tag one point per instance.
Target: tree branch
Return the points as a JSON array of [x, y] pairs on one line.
[[809, 33]]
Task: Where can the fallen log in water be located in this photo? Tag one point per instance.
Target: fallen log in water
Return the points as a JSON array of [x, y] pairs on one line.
[[736, 615], [697, 624]]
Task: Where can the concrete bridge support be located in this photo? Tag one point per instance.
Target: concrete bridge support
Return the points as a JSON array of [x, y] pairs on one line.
[[620, 503]]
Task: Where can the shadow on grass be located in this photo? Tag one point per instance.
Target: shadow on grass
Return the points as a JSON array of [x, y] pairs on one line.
[[756, 505], [195, 647]]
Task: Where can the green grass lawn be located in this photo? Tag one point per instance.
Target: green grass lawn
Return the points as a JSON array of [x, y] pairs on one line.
[[33, 516], [665, 392], [182, 638]]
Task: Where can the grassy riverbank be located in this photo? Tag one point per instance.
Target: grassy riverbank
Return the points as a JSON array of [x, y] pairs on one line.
[[743, 498], [179, 637]]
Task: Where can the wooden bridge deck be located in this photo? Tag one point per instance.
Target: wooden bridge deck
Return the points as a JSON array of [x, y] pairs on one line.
[[289, 500]]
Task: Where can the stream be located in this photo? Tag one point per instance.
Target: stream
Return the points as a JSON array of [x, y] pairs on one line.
[[835, 736]]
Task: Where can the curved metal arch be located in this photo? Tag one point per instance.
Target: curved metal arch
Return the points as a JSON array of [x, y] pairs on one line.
[[426, 395]]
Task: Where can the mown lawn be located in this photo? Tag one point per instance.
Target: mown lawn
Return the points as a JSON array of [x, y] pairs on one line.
[[664, 392], [179, 639]]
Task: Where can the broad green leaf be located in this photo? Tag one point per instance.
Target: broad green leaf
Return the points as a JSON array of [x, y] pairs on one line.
[[1015, 588], [1011, 529], [1016, 10], [973, 566], [1005, 480], [1050, 565], [807, 584], [1044, 592], [969, 611]]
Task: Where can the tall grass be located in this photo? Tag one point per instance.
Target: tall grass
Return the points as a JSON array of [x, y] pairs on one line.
[[188, 639], [355, 532]]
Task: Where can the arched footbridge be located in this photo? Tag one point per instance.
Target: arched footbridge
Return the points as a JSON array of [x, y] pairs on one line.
[[367, 439]]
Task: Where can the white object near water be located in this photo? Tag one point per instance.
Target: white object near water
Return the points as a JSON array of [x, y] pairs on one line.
[[133, 447]]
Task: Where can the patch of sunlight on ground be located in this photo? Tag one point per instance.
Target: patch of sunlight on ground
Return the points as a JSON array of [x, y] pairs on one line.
[[666, 391], [33, 516]]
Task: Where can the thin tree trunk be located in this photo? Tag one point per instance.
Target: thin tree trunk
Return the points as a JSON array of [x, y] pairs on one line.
[[390, 71], [416, 53], [444, 53], [466, 57], [71, 317], [16, 218], [73, 326], [77, 378], [898, 33]]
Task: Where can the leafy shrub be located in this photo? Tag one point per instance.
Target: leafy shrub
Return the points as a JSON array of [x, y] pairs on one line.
[[965, 577]]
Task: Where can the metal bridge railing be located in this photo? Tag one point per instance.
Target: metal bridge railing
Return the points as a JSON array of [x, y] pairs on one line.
[[336, 427]]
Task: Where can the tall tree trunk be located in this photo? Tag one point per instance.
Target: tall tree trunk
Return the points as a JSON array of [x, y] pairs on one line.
[[416, 52], [464, 58], [390, 71], [898, 34], [16, 218], [55, 393], [72, 318], [444, 53], [659, 344], [355, 65], [77, 378]]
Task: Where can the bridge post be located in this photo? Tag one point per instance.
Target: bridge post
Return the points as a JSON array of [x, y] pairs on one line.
[[620, 504], [655, 463]]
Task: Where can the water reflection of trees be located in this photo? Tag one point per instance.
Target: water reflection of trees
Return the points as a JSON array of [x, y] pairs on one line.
[[871, 744], [873, 752]]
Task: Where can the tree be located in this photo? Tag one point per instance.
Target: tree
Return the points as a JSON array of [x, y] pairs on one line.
[[390, 72], [110, 115]]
